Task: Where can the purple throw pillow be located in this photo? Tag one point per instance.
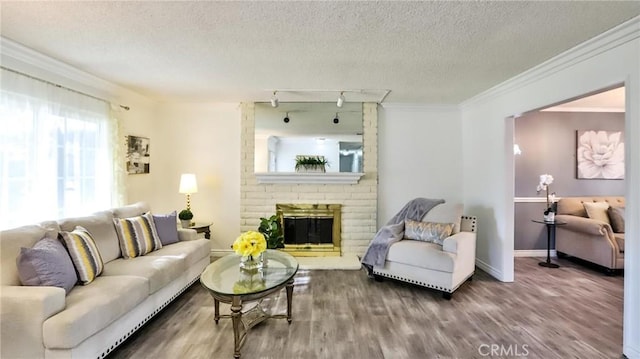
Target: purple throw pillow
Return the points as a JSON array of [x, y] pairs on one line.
[[47, 263], [166, 227]]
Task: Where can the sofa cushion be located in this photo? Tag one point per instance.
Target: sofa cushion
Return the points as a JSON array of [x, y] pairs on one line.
[[101, 227], [619, 237], [421, 254], [11, 241], [158, 270], [446, 213], [47, 263], [84, 254], [91, 308], [131, 210], [433, 232], [137, 235], [191, 251], [597, 211], [166, 226], [616, 218], [575, 205]]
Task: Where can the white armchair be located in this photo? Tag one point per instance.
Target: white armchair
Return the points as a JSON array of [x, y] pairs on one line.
[[442, 267]]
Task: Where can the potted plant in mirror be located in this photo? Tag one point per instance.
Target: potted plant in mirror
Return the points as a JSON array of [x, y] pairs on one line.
[[271, 228], [185, 218], [311, 163]]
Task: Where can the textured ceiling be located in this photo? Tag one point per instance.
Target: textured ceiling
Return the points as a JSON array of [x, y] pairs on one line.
[[424, 52]]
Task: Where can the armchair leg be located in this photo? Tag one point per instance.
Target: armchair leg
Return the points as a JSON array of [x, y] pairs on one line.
[[446, 295], [470, 279], [378, 278]]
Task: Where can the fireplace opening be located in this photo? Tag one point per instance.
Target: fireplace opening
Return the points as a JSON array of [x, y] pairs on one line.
[[311, 229]]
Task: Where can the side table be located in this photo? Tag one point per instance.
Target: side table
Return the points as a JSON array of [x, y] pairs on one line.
[[551, 227], [203, 227]]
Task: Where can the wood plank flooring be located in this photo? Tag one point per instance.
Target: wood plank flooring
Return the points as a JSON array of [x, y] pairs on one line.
[[570, 312]]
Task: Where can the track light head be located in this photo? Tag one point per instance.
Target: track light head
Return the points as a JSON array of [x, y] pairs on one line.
[[336, 119], [274, 100], [340, 100], [286, 118]]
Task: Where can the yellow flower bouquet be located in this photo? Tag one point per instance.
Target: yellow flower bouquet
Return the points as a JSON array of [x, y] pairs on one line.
[[250, 245]]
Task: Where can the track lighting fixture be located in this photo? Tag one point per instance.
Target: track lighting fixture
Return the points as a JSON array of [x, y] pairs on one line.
[[274, 100], [286, 118], [340, 100], [336, 119]]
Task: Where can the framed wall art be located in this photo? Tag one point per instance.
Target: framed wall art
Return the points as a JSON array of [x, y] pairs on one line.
[[138, 155], [600, 154]]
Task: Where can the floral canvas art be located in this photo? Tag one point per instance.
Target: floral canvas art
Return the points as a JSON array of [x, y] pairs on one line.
[[600, 155]]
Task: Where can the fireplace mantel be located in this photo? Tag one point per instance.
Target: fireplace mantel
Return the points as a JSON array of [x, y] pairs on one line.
[[295, 177]]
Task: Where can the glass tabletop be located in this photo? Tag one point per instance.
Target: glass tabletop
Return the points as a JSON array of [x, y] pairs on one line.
[[225, 277]]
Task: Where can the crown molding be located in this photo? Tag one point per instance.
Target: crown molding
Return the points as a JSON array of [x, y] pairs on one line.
[[97, 86], [619, 35], [582, 109]]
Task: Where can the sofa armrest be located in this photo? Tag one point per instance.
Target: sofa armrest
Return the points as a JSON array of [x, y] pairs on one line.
[[186, 234], [23, 310], [459, 242], [583, 225]]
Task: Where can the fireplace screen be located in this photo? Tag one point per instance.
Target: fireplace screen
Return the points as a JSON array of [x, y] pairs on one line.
[[302, 230], [311, 229]]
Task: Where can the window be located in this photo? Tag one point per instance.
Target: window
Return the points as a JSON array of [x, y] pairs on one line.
[[56, 152]]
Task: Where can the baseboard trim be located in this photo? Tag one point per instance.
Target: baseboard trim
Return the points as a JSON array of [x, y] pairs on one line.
[[534, 253], [490, 270], [631, 353], [220, 252]]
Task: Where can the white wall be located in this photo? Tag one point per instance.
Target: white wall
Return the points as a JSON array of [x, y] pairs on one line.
[[609, 59], [419, 155], [200, 138]]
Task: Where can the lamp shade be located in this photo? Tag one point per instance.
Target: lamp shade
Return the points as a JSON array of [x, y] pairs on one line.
[[188, 183]]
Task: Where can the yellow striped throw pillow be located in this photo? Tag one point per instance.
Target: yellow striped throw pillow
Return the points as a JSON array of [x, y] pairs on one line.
[[84, 254], [137, 235]]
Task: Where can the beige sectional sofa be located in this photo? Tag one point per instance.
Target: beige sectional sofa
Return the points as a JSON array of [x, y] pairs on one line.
[[91, 320], [590, 239]]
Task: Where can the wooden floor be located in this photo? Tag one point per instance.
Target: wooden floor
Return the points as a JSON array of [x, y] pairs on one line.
[[570, 312]]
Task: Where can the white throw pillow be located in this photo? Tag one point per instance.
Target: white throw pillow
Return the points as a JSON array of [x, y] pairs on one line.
[[597, 211]]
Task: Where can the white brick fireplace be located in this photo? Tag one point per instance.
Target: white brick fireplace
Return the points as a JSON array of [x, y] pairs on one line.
[[359, 201]]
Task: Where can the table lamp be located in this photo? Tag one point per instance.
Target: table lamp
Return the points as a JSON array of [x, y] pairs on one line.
[[188, 185]]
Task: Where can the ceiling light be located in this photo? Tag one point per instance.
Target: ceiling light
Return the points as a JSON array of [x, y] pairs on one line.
[[286, 118], [340, 100], [274, 100], [336, 119]]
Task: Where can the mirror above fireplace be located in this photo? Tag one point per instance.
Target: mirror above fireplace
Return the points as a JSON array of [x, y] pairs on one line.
[[308, 129]]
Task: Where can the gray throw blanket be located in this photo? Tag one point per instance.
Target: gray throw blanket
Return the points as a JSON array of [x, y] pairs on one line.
[[393, 231]]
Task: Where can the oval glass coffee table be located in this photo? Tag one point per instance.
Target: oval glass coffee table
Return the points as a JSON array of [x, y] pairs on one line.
[[227, 283]]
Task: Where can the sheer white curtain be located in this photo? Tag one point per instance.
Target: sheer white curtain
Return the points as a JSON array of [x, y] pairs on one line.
[[58, 152]]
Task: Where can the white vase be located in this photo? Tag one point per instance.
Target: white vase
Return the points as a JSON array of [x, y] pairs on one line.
[[311, 169], [186, 223]]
